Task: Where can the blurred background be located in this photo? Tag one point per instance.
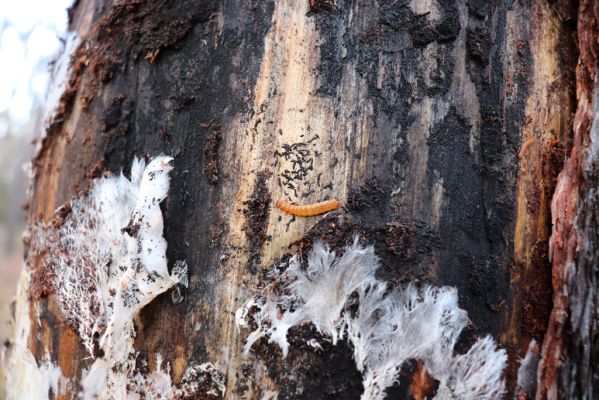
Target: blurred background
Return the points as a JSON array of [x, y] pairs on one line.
[[31, 35]]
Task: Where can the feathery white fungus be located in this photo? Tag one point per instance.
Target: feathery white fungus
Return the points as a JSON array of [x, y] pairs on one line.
[[388, 328], [108, 256], [129, 266]]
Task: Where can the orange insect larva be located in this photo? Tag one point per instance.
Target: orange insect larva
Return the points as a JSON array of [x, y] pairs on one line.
[[529, 142], [308, 210]]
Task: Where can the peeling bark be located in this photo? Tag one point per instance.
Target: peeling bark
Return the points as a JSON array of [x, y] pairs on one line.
[[570, 351]]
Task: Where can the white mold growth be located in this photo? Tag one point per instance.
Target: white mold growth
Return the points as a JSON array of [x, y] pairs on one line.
[[156, 385], [108, 254], [203, 378], [474, 375], [310, 294], [108, 260], [527, 373], [60, 71], [386, 327], [28, 380], [25, 378]]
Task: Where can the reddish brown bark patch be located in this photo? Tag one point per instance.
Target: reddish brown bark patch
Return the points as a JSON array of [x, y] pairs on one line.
[[39, 253], [423, 385], [562, 369], [256, 220], [135, 29], [369, 195], [211, 147]]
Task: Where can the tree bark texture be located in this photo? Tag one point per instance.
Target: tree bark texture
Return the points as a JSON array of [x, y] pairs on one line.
[[441, 125], [569, 365]]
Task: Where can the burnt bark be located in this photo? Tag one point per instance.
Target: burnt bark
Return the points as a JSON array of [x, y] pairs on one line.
[[441, 125]]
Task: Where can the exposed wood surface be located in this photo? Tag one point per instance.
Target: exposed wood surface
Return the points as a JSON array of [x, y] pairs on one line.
[[413, 114]]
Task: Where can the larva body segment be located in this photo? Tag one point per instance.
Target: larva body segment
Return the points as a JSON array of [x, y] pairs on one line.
[[309, 210], [529, 142]]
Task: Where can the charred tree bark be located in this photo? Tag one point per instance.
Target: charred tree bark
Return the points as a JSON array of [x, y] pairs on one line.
[[441, 125]]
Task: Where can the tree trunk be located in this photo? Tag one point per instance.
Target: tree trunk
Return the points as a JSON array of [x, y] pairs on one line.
[[441, 126]]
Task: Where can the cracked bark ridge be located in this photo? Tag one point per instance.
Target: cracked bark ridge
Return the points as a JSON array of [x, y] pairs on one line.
[[569, 365]]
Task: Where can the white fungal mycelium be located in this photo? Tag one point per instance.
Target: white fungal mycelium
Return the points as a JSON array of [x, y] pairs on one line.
[[108, 257], [60, 70], [527, 372], [203, 378], [386, 327], [26, 378]]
